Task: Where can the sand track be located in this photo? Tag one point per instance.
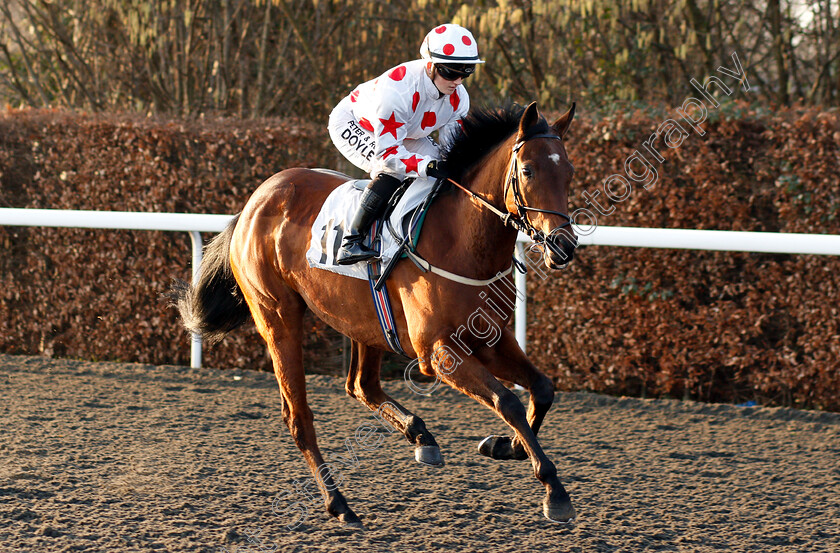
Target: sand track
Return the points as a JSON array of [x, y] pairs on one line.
[[125, 457]]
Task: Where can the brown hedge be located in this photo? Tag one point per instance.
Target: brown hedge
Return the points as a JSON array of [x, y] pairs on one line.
[[98, 294], [702, 325]]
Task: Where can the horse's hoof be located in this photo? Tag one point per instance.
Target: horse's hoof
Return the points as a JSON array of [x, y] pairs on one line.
[[562, 512], [501, 448], [351, 521], [428, 455]]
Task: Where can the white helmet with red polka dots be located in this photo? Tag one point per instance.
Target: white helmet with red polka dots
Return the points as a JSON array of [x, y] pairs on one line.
[[450, 44]]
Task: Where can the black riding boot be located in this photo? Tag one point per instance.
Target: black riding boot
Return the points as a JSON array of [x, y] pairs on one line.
[[374, 201]]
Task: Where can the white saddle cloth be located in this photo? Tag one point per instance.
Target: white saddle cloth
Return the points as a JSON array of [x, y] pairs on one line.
[[336, 214]]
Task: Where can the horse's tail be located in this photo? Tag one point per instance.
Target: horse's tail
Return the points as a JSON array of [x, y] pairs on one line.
[[214, 305]]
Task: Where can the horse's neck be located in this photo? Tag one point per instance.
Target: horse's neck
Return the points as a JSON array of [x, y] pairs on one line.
[[480, 242]]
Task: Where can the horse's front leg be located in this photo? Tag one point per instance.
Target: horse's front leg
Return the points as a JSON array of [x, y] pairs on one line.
[[363, 383], [470, 377], [508, 362]]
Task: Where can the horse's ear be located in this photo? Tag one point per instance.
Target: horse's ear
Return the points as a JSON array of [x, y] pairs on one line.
[[561, 126], [530, 118]]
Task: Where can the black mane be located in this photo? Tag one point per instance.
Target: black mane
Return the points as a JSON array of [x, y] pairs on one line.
[[482, 130]]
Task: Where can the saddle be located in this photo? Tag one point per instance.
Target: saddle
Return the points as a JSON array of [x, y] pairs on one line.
[[398, 229], [395, 233]]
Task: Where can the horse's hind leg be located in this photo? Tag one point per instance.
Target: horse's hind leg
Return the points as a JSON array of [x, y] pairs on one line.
[[282, 330], [510, 363], [363, 383]]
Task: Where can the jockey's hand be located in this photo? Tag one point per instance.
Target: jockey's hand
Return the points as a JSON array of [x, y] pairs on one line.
[[437, 169]]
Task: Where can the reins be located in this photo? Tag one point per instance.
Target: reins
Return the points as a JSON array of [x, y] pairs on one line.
[[479, 201], [518, 221]]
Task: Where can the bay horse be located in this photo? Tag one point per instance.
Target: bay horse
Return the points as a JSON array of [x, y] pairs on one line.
[[514, 168]]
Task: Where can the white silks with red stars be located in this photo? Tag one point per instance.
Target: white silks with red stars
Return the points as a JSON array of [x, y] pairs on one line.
[[403, 103]]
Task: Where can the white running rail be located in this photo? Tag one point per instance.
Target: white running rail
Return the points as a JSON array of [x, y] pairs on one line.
[[715, 240], [193, 224]]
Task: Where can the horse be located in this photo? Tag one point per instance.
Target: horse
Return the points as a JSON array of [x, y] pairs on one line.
[[516, 174]]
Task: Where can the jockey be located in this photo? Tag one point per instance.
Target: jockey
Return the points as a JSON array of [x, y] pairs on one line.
[[383, 126]]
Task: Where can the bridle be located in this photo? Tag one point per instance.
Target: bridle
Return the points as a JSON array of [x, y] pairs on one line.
[[520, 220]]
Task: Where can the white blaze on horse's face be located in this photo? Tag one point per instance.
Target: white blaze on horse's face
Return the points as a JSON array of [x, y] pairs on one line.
[[555, 158]]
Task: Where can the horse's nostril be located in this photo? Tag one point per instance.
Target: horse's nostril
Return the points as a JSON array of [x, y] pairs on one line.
[[558, 251]]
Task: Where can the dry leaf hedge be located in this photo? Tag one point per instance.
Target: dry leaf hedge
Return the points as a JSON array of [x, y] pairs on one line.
[[701, 325]]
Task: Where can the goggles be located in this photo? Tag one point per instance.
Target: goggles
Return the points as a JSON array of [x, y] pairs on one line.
[[455, 71]]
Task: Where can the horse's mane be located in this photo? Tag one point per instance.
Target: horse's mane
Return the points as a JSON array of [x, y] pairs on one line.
[[481, 131]]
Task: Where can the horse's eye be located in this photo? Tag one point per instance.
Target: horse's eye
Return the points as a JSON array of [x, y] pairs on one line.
[[526, 172]]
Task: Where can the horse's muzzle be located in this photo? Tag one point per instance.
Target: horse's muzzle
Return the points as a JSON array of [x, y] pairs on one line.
[[560, 249]]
